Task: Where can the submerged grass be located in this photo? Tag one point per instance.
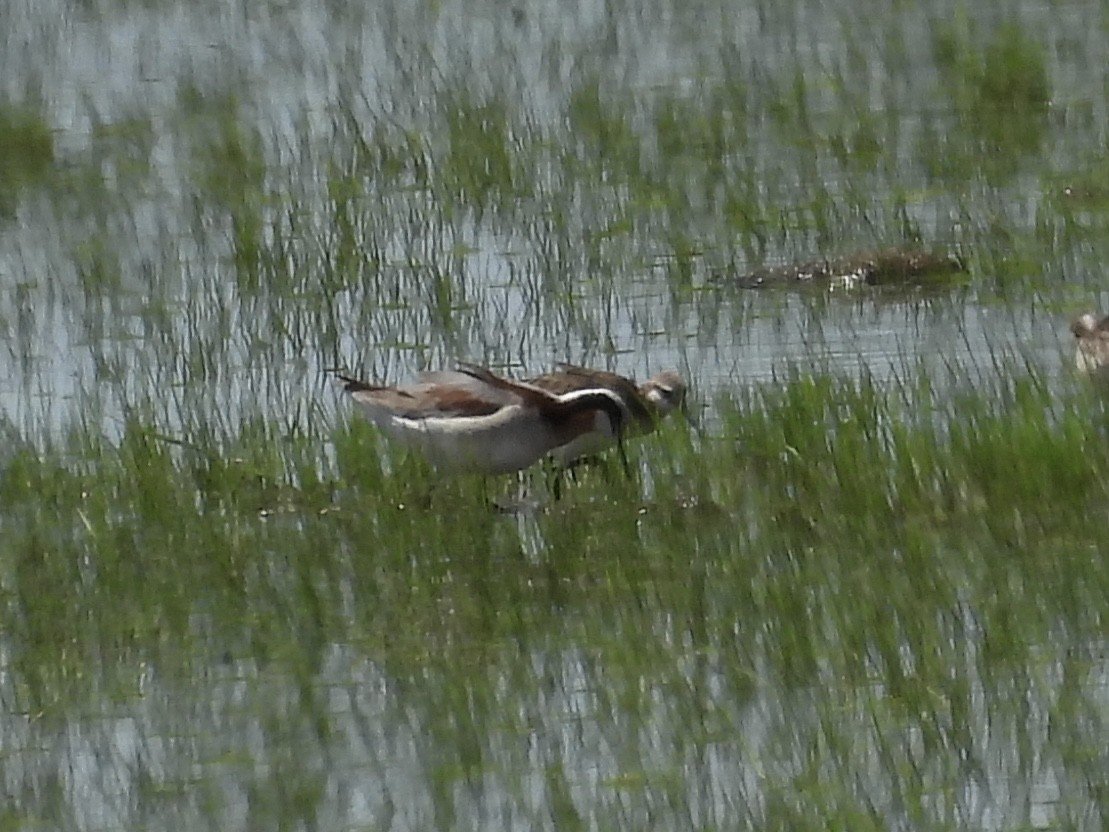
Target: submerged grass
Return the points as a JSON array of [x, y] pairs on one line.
[[919, 562], [872, 479], [857, 602], [490, 227], [26, 152]]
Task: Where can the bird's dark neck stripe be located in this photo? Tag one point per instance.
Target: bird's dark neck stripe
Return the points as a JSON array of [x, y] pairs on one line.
[[571, 404]]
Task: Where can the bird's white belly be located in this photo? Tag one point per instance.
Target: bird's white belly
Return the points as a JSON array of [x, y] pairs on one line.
[[490, 445]]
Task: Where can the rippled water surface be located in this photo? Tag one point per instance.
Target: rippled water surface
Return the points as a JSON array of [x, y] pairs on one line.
[[205, 207]]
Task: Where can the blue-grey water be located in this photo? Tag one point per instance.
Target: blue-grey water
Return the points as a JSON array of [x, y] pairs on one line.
[[120, 287]]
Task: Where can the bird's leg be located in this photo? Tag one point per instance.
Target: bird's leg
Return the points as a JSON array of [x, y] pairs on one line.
[[624, 457], [555, 475], [690, 419], [512, 503]]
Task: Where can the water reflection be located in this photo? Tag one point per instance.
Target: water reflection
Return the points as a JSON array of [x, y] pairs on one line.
[[245, 195], [548, 737]]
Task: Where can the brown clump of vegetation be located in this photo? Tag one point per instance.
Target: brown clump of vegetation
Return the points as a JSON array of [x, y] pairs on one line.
[[893, 265]]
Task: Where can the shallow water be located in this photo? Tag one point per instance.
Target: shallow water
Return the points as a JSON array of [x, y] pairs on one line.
[[242, 197], [132, 228]]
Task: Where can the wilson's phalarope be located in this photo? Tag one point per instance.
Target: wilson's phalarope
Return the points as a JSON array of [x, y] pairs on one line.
[[1091, 354], [646, 403], [471, 420]]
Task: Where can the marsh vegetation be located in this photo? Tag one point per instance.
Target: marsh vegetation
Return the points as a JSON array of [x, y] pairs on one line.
[[868, 594]]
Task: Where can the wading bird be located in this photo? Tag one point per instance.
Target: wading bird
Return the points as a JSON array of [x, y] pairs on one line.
[[1091, 354], [471, 420]]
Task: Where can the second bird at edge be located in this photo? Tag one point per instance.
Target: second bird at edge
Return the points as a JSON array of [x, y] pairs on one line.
[[1091, 353]]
